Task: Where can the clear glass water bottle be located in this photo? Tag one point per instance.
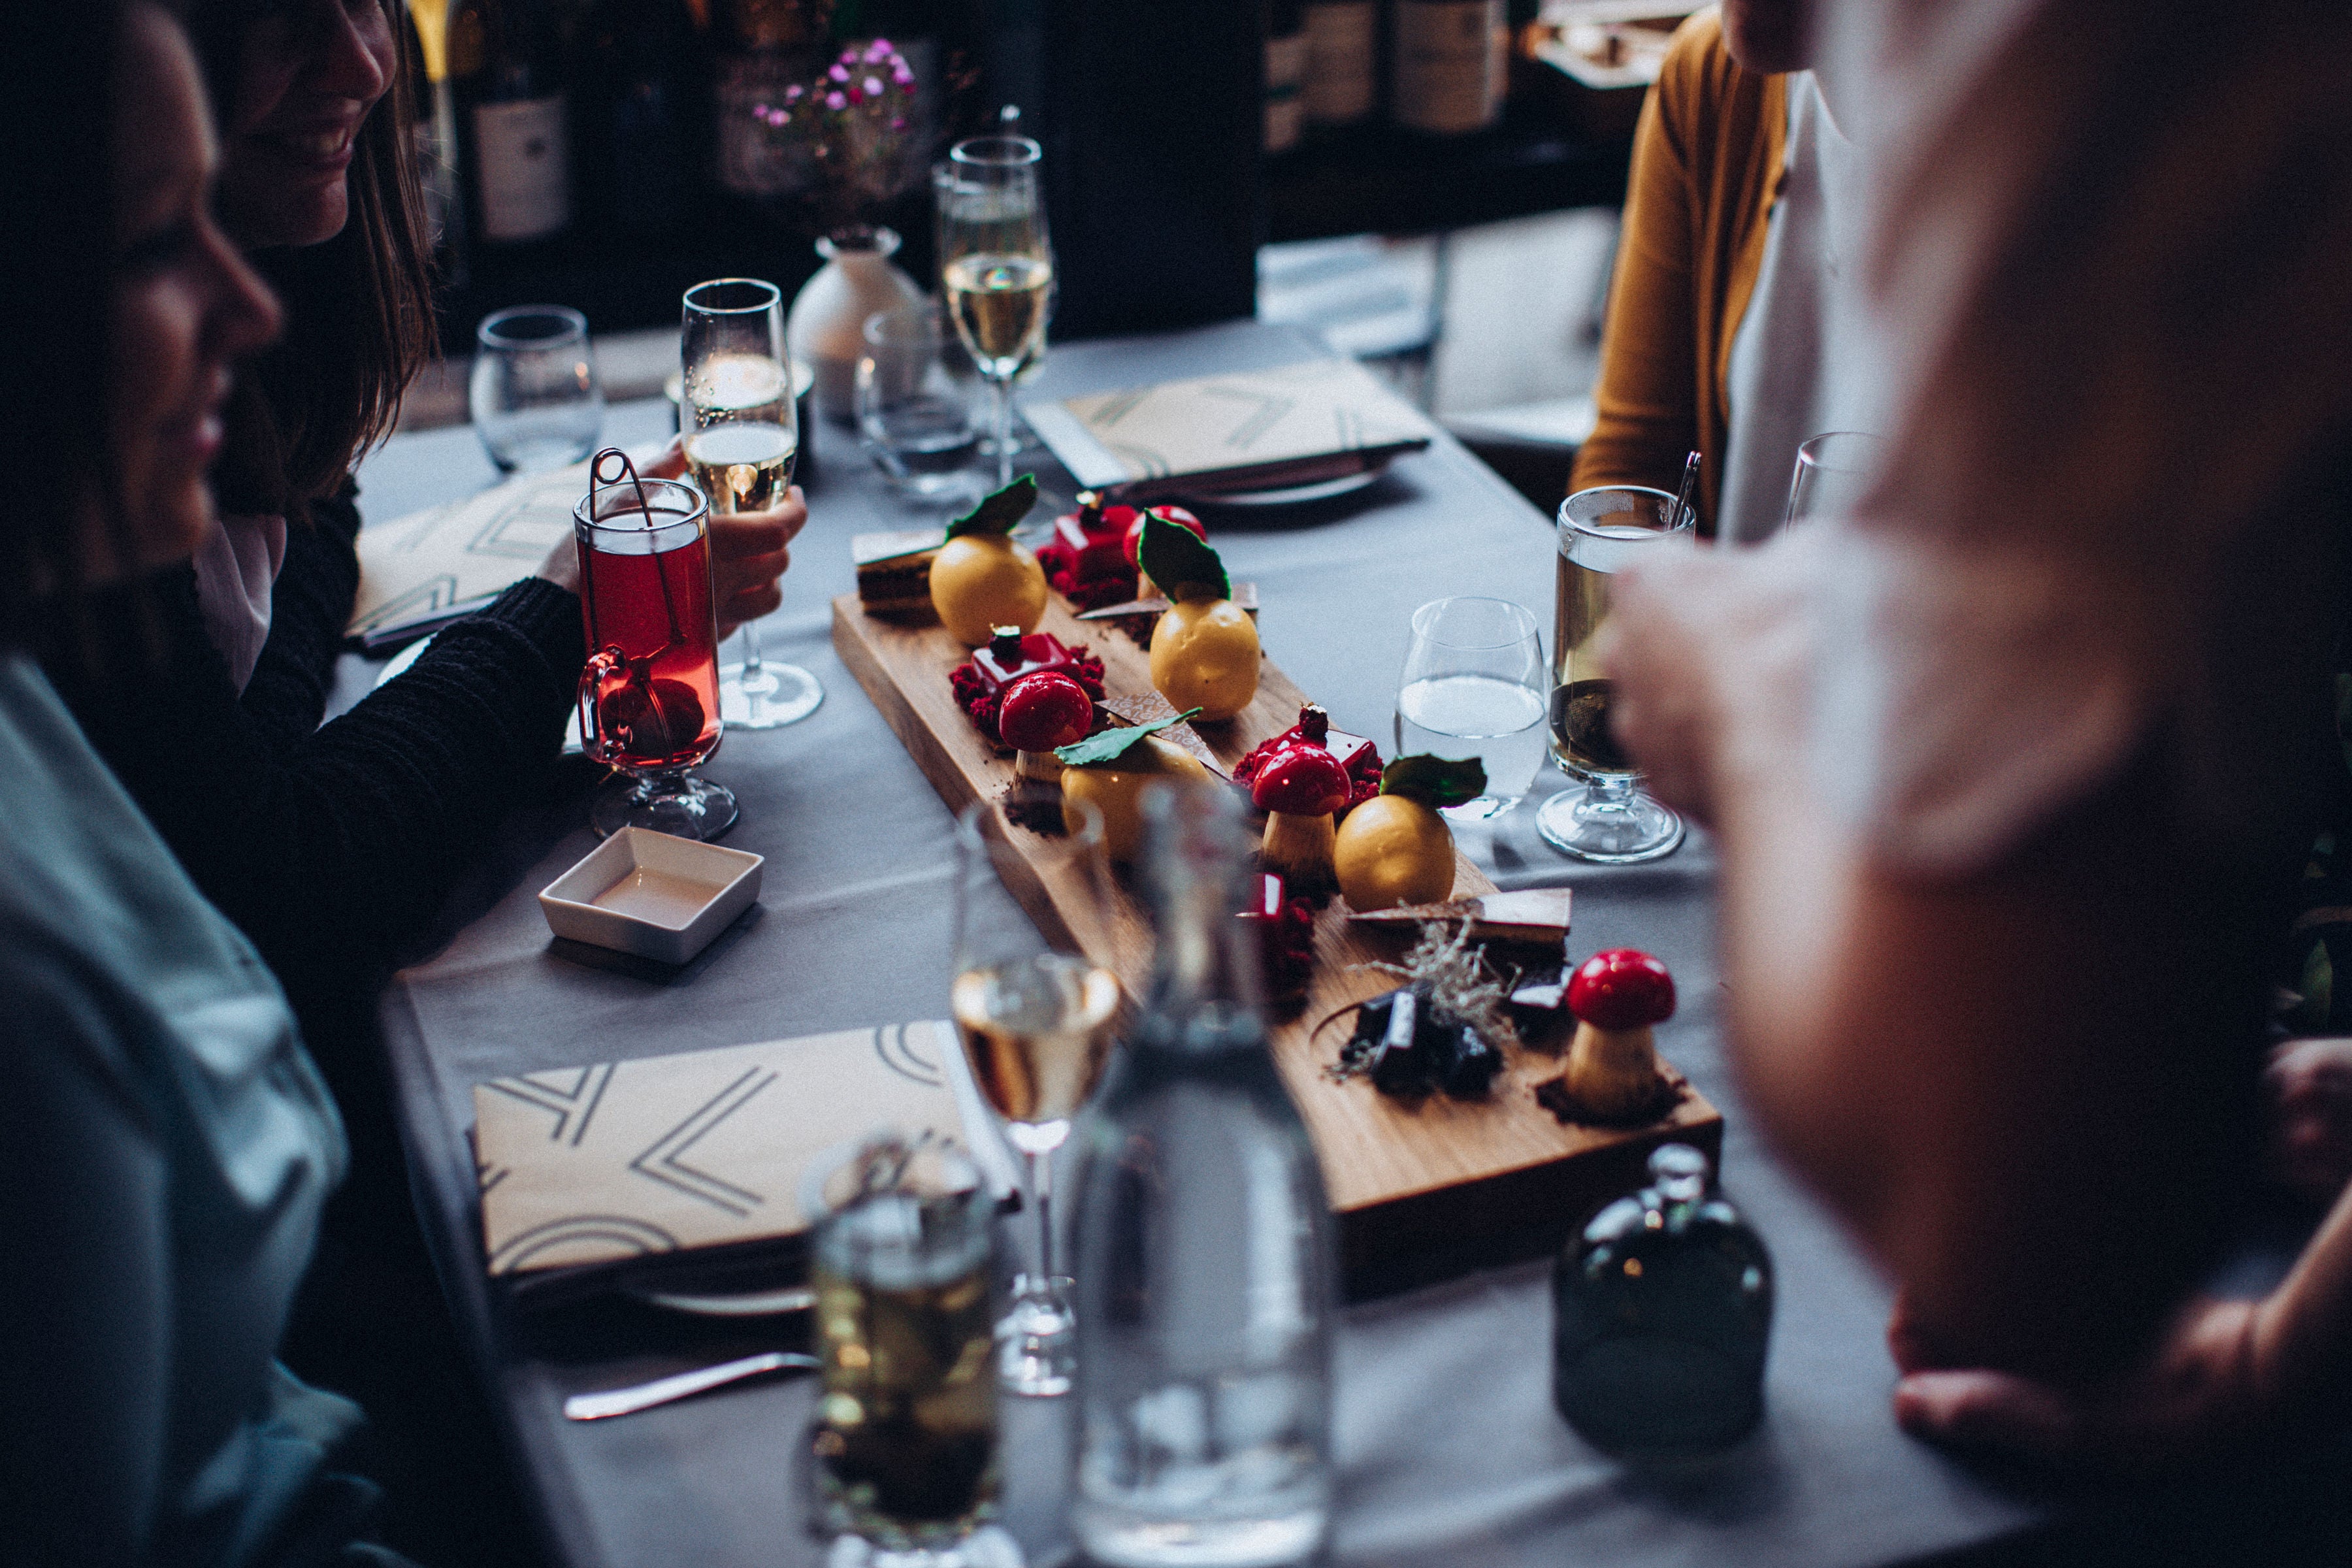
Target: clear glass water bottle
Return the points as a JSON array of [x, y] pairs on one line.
[[1660, 1314], [1203, 1251]]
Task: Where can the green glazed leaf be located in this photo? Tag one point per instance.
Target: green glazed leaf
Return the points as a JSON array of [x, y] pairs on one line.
[[1109, 745], [1174, 557], [1435, 780], [998, 512]]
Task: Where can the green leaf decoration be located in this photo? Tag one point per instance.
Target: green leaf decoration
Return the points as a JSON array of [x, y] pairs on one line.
[[1108, 746], [1435, 780], [1174, 557], [999, 511]]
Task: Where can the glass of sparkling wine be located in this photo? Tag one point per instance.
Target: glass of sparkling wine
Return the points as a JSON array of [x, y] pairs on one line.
[[996, 265], [1035, 1018], [1474, 685], [905, 1446], [742, 435], [1608, 820]]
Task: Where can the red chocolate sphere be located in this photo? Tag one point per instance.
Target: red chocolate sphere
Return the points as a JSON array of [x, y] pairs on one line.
[[1044, 711]]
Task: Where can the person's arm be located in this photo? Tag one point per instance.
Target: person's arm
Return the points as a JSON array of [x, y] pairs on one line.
[[309, 607], [1646, 416], [2014, 1081]]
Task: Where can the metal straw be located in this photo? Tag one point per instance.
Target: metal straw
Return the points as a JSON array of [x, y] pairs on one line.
[[1682, 501]]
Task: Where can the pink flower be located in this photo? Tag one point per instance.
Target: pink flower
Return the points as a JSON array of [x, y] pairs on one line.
[[873, 88], [839, 73], [793, 93], [879, 49], [904, 77], [836, 102], [898, 125]]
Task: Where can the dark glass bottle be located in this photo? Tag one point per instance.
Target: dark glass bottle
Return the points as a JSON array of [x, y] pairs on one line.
[[644, 113], [507, 69], [1660, 1314]]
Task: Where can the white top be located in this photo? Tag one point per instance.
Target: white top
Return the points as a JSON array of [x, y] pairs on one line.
[[237, 565], [1802, 359], [165, 1147]]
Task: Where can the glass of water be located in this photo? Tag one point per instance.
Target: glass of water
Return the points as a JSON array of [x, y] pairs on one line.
[[915, 411], [536, 401], [1833, 473], [1474, 686]]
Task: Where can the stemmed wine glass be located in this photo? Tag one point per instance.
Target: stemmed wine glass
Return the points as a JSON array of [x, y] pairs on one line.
[[742, 437], [996, 265], [1035, 1019], [1608, 820]]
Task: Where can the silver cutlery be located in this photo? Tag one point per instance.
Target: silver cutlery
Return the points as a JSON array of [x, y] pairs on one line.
[[639, 1397]]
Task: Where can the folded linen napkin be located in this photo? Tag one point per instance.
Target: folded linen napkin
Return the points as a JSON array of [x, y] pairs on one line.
[[686, 1169]]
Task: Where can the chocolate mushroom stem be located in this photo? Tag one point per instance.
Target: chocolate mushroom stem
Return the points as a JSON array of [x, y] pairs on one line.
[[1614, 1073], [1299, 847], [1042, 766]]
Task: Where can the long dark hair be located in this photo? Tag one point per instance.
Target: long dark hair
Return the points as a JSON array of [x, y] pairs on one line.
[[359, 308], [57, 249]]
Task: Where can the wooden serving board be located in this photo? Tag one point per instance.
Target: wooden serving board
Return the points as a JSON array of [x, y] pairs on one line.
[[1443, 1178]]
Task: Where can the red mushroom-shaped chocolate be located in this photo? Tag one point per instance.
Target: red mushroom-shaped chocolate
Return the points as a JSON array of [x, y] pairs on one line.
[[1613, 1065], [1298, 789], [1040, 713]]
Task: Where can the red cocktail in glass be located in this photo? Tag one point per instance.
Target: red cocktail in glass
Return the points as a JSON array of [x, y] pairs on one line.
[[649, 694]]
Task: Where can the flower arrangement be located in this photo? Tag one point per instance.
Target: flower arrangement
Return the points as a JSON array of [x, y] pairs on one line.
[[854, 120]]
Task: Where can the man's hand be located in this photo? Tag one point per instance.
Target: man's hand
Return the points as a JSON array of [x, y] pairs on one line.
[[748, 550]]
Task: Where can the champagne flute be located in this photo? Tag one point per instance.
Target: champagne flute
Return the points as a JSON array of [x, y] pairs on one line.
[[1608, 820], [1035, 1017], [996, 265], [742, 435]]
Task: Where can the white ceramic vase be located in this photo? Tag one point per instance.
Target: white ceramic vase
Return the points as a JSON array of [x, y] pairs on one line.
[[858, 278]]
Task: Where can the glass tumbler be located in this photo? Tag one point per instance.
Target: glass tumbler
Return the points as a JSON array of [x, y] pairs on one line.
[[1832, 473], [534, 396], [914, 409], [905, 1446], [649, 692], [1474, 686]]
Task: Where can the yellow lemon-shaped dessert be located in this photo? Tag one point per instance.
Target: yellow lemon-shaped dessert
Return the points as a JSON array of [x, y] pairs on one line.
[[1393, 850], [1117, 788], [986, 580], [1204, 655]]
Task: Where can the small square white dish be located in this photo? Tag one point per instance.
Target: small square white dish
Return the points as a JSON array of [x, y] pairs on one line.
[[651, 895]]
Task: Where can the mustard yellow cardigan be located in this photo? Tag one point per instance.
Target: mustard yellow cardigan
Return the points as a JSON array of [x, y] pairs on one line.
[[1707, 166]]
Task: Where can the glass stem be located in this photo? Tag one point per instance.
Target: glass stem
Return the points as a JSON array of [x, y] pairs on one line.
[[750, 649], [1612, 792], [1004, 432], [1041, 1183]]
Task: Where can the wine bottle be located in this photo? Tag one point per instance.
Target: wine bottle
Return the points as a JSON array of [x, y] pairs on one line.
[[1342, 48], [1447, 65], [508, 72], [644, 92], [1285, 74], [1204, 1251]]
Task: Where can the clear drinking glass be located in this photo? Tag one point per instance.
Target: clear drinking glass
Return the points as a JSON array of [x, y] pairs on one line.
[[649, 692], [904, 1447], [742, 437], [996, 265], [1832, 473], [1608, 820], [913, 410], [1474, 686], [534, 396], [1035, 1018]]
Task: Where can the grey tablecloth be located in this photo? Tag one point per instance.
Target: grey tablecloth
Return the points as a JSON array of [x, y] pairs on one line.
[[1449, 1448]]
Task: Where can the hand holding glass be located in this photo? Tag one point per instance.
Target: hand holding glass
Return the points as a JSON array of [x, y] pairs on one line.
[[1608, 820], [1035, 1019], [742, 435]]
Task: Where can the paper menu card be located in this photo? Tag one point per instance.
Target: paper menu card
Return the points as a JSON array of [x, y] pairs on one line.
[[627, 1163], [1263, 429], [430, 560]]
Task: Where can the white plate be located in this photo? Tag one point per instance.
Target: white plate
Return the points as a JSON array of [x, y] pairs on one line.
[[748, 1304], [1296, 495]]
